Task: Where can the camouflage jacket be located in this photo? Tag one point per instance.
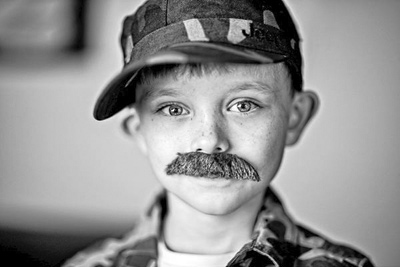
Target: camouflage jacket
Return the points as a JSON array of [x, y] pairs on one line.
[[277, 241]]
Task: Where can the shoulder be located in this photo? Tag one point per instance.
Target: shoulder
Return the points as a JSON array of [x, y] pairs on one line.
[[101, 253], [107, 252], [303, 246], [320, 251]]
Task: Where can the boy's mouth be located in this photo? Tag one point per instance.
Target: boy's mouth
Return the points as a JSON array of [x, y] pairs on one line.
[[213, 166]]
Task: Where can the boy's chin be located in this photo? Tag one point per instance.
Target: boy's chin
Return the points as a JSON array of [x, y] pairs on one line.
[[211, 204], [215, 208]]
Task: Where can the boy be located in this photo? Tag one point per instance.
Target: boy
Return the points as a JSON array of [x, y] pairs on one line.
[[215, 94]]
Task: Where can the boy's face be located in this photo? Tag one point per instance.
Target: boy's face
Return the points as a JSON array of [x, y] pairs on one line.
[[243, 111]]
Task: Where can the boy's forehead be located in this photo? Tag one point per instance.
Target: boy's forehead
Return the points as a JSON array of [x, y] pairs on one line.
[[263, 72]]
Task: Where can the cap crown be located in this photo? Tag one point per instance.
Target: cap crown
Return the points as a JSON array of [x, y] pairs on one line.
[[270, 17]]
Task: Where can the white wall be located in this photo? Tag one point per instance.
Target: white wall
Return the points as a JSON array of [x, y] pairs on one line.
[[60, 170]]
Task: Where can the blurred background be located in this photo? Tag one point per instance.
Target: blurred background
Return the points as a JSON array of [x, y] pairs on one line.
[[67, 180]]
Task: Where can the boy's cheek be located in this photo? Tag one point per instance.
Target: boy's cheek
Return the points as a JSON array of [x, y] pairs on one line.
[[161, 155], [266, 153]]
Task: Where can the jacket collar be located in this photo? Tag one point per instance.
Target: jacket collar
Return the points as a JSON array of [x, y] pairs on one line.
[[273, 237]]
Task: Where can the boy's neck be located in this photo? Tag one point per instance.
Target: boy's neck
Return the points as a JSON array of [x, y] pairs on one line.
[[188, 230]]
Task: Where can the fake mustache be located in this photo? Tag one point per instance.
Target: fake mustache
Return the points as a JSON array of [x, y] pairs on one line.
[[219, 165]]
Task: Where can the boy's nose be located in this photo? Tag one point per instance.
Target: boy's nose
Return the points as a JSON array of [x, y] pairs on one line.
[[210, 136]]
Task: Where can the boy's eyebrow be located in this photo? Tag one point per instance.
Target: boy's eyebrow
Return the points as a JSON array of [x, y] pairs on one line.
[[257, 86], [158, 93]]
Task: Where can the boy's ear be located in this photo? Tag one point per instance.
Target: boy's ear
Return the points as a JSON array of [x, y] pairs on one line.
[[304, 106], [131, 127]]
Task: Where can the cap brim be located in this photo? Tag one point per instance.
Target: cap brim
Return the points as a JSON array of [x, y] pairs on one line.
[[118, 94]]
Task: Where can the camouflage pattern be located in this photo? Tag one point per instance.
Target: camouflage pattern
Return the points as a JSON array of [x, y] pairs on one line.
[[277, 241]]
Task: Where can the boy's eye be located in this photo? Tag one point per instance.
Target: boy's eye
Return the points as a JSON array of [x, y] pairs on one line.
[[174, 110], [243, 106]]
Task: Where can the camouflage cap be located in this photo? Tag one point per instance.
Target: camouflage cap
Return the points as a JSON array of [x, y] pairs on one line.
[[200, 31]]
